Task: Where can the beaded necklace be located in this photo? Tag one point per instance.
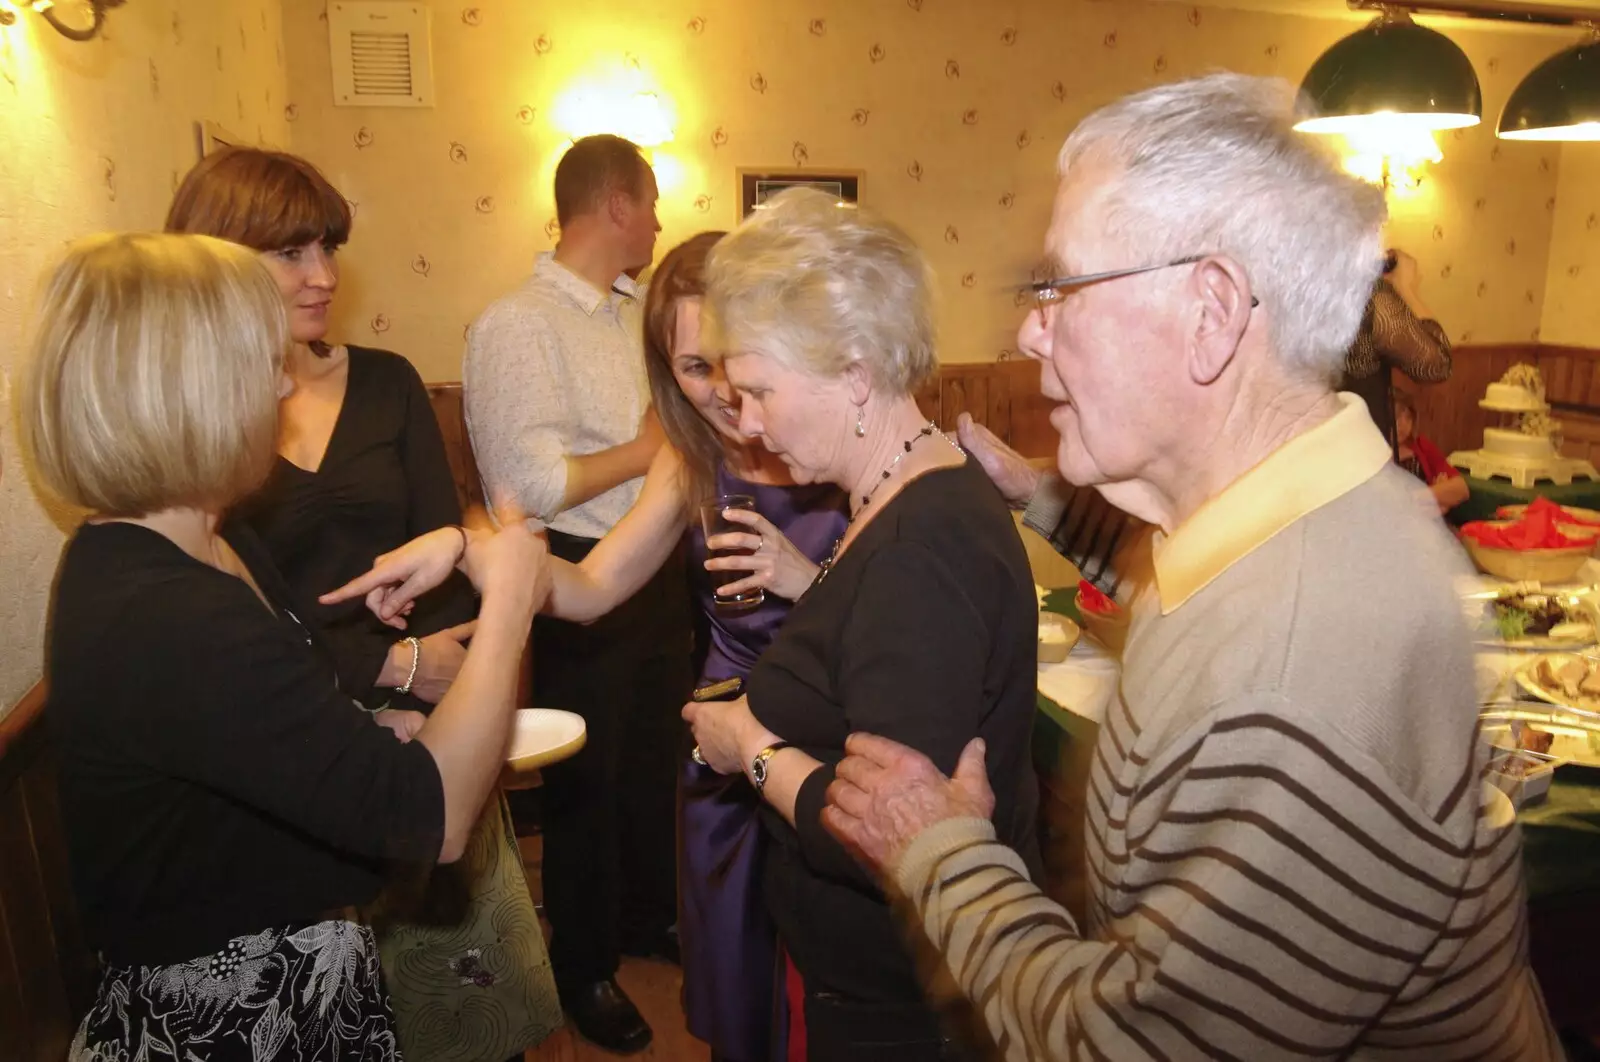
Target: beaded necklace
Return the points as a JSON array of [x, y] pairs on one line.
[[866, 499]]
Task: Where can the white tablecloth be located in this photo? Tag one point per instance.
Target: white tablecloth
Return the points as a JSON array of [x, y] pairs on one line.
[[1084, 682]]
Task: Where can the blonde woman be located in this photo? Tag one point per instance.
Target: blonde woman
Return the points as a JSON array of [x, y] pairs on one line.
[[923, 620], [223, 798]]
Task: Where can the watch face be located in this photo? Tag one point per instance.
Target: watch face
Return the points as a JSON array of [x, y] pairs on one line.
[[758, 771]]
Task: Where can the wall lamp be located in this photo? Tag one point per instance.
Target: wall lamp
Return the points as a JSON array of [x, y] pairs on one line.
[[47, 11]]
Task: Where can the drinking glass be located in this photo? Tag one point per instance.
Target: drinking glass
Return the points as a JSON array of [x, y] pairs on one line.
[[714, 523]]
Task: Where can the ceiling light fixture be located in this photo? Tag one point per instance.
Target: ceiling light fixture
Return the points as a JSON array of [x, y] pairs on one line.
[[1559, 100], [47, 10], [1392, 72]]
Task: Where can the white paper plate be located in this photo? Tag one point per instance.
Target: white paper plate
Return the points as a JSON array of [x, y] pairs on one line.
[[1543, 643], [542, 736], [1528, 679]]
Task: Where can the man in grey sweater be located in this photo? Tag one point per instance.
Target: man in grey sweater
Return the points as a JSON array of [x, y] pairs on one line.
[[1290, 849]]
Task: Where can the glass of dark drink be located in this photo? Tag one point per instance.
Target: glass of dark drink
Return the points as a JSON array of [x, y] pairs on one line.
[[714, 523]]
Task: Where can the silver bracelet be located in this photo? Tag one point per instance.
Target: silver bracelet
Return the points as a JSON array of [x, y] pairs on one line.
[[416, 658]]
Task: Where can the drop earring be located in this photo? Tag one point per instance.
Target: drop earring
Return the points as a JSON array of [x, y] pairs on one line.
[[861, 429]]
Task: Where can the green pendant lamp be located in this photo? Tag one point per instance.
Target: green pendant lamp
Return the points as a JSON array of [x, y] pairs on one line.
[[1560, 100], [1393, 72]]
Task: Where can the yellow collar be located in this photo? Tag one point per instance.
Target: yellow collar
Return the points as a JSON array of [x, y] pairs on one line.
[[1300, 477]]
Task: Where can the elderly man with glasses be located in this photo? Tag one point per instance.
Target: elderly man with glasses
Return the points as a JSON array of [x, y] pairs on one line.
[[1291, 852]]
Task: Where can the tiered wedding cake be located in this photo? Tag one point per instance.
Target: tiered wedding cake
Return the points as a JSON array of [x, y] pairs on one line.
[[1524, 449]]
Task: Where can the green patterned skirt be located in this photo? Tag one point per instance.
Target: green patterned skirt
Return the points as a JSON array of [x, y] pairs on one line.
[[463, 956]]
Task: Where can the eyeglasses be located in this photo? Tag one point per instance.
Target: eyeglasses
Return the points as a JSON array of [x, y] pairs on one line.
[[1047, 293]]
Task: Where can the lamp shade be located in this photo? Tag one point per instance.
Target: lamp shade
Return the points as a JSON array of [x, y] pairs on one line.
[[1395, 69], [1560, 100]]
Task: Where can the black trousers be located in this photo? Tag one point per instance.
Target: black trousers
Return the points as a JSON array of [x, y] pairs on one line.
[[610, 879], [844, 1030]]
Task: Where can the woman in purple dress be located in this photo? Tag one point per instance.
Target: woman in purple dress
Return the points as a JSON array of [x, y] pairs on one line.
[[729, 945]]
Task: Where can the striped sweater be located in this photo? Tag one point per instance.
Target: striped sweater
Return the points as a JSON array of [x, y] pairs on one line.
[[1288, 850]]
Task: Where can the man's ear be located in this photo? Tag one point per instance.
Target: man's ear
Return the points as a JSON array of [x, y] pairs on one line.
[[618, 208], [1224, 302]]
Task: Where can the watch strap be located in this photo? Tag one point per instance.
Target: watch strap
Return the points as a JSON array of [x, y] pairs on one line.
[[758, 766]]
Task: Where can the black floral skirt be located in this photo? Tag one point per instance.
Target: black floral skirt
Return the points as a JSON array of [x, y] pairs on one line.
[[300, 994]]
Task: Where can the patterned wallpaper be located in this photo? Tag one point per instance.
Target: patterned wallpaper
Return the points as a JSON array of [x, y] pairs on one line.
[[93, 137], [953, 110], [1571, 311]]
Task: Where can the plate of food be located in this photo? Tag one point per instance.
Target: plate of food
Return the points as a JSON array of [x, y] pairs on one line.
[[1533, 741], [1530, 617]]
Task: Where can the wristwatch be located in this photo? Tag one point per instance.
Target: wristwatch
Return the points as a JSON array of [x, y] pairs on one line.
[[758, 766]]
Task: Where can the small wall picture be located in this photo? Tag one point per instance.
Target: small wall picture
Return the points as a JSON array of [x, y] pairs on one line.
[[757, 186], [210, 137]]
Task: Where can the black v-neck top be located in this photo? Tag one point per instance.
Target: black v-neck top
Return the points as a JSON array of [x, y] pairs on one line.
[[926, 632], [214, 781], [383, 481]]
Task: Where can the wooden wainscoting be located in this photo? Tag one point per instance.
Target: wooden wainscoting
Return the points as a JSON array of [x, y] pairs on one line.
[[47, 974], [1449, 414], [1001, 394], [1004, 395]]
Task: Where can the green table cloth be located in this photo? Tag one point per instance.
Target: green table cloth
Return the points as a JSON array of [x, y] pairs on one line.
[[1489, 494], [1561, 836]]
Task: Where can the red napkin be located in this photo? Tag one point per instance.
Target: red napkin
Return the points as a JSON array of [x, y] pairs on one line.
[[1566, 516], [1090, 599], [1536, 530]]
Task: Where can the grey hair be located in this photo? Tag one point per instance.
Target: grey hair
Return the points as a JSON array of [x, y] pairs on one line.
[[1213, 165], [818, 286]]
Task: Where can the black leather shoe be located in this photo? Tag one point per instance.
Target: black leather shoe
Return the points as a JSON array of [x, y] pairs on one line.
[[606, 1017]]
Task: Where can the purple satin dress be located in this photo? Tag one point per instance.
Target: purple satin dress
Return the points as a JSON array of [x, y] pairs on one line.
[[728, 941]]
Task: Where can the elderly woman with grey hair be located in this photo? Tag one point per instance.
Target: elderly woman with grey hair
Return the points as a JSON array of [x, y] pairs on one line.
[[921, 624], [1290, 851]]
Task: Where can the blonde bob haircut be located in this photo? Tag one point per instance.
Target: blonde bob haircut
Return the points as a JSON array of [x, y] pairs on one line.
[[818, 287], [153, 380]]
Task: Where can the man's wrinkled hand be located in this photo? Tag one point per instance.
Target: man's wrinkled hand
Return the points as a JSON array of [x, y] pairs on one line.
[[1016, 479], [885, 794]]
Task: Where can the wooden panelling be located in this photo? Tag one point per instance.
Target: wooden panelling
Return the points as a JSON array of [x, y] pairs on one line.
[[1004, 396], [46, 972], [1448, 412]]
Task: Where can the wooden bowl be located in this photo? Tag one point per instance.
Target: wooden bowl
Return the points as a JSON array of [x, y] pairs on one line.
[[1554, 566], [1109, 631]]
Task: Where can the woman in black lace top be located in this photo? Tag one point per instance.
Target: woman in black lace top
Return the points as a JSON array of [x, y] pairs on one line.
[[1397, 332]]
